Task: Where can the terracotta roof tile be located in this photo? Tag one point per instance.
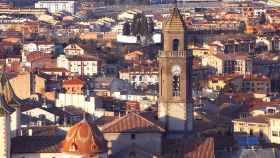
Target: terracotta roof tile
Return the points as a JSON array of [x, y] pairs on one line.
[[132, 122], [86, 137], [256, 77], [75, 81], [188, 148], [175, 21], [254, 119], [53, 69]]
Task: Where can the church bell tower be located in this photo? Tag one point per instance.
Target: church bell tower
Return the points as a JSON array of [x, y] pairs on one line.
[[175, 69]]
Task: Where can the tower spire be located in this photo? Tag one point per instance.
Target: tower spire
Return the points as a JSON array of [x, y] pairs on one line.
[[175, 98], [175, 4]]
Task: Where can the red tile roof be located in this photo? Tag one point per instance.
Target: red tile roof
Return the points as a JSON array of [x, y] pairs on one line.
[[203, 149], [232, 56], [83, 58], [132, 122], [36, 55], [256, 78], [54, 69], [254, 119], [189, 148], [75, 81], [86, 137], [225, 77]]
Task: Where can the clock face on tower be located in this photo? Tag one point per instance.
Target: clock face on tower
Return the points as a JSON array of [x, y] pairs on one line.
[[176, 70]]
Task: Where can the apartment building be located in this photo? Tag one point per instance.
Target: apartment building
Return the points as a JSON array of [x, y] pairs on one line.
[[257, 84], [74, 50], [219, 82], [229, 63], [57, 6], [140, 76], [265, 127], [81, 65]]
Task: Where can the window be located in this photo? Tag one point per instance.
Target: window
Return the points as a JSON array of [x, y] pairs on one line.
[[132, 136], [161, 82], [73, 147], [175, 44], [271, 111], [261, 133], [275, 133], [251, 132], [176, 70], [42, 117], [176, 85]]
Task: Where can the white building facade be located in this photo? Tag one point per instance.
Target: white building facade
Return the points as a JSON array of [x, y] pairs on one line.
[[140, 78], [57, 6], [78, 65], [76, 100], [34, 47]]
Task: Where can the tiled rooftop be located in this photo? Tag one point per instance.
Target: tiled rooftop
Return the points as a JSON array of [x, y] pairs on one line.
[[132, 122]]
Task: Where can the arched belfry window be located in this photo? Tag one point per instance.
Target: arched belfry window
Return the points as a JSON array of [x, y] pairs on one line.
[[175, 44], [176, 72]]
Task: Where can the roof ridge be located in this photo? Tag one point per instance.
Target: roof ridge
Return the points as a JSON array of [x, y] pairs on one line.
[[151, 122], [106, 126], [113, 122], [174, 14]]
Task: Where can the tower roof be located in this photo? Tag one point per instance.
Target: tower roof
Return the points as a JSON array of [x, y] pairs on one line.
[[175, 22]]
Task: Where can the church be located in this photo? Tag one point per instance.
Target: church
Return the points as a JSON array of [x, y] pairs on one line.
[[135, 135]]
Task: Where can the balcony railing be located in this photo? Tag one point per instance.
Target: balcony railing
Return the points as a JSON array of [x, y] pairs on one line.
[[172, 53]]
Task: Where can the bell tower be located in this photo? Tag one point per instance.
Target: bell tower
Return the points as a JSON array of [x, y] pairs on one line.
[[175, 68]]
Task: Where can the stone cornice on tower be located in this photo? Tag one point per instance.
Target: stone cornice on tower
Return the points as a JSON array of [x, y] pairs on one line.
[[175, 22]]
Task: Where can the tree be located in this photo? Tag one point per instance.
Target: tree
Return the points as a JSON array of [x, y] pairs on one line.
[[151, 26], [135, 27], [139, 25], [143, 26], [126, 28], [262, 19]]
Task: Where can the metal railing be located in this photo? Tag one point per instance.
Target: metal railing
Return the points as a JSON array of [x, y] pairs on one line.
[[172, 53]]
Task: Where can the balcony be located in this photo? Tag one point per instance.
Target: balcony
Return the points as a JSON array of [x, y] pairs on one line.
[[173, 54]]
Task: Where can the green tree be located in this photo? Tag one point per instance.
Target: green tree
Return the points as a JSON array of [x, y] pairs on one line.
[[151, 26], [135, 25], [126, 28], [143, 26], [139, 25], [242, 26], [262, 19]]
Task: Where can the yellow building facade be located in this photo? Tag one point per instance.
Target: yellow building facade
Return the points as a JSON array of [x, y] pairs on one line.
[[218, 82], [266, 127]]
